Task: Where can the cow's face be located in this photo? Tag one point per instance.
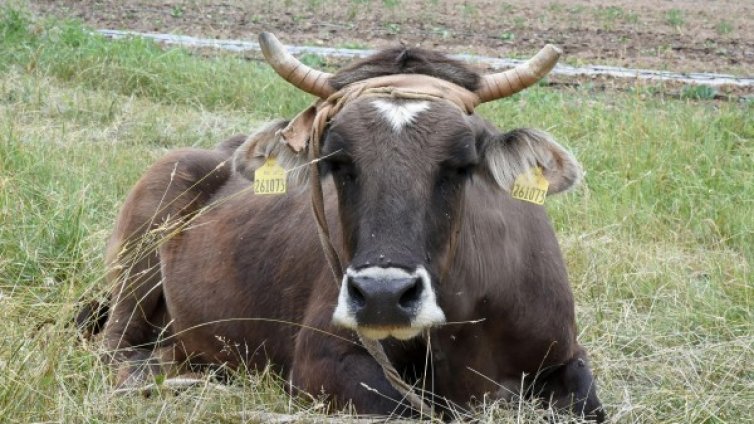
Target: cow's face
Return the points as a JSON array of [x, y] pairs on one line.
[[400, 167]]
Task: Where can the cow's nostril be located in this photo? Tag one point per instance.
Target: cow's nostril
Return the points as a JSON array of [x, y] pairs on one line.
[[356, 295], [411, 295]]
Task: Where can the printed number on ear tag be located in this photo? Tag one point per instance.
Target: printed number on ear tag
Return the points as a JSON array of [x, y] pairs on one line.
[[531, 186], [270, 178]]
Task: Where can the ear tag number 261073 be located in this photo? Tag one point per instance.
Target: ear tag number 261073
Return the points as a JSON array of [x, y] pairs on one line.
[[531, 186], [270, 178]]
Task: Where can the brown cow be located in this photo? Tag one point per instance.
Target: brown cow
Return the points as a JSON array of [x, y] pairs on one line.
[[206, 272]]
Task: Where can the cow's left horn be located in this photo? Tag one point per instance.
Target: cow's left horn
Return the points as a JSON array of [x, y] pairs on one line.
[[292, 70], [503, 84]]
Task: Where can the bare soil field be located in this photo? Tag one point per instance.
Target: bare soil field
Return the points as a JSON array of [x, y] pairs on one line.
[[677, 35]]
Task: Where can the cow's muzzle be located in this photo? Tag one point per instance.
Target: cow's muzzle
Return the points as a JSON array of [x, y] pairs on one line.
[[382, 302]]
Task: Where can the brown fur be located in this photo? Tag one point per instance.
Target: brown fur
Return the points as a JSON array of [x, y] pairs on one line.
[[404, 60], [244, 281]]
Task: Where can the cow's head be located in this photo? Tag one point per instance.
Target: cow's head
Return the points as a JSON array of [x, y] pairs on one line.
[[400, 166]]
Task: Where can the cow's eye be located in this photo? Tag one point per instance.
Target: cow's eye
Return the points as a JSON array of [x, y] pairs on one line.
[[342, 168], [463, 171], [454, 174]]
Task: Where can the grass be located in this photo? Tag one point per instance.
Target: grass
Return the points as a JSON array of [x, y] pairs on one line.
[[659, 239], [724, 27], [674, 18], [612, 14]]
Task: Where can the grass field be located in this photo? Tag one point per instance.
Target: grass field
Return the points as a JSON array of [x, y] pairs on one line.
[[659, 240]]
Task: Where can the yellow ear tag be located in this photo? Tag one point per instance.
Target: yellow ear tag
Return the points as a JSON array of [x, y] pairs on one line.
[[531, 186], [270, 178]]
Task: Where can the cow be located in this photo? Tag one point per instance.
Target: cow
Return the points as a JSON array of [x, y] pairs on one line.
[[463, 285]]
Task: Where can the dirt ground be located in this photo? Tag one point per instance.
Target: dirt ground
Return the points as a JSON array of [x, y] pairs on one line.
[[678, 35]]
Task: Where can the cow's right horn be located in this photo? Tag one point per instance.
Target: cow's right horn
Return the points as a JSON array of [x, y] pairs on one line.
[[292, 70], [504, 84]]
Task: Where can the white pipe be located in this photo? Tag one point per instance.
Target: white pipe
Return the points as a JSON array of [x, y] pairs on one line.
[[494, 63]]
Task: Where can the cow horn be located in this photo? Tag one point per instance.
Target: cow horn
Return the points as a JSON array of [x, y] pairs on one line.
[[292, 70], [504, 84]]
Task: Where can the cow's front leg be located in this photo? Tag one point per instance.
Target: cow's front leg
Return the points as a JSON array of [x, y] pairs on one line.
[[345, 372]]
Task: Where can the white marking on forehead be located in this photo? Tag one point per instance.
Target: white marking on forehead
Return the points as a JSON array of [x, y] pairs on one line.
[[400, 114]]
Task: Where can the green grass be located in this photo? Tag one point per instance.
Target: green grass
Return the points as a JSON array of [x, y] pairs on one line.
[[724, 27], [613, 14], [659, 239], [674, 18]]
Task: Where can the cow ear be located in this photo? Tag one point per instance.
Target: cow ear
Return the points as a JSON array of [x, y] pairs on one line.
[[511, 154], [265, 143]]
